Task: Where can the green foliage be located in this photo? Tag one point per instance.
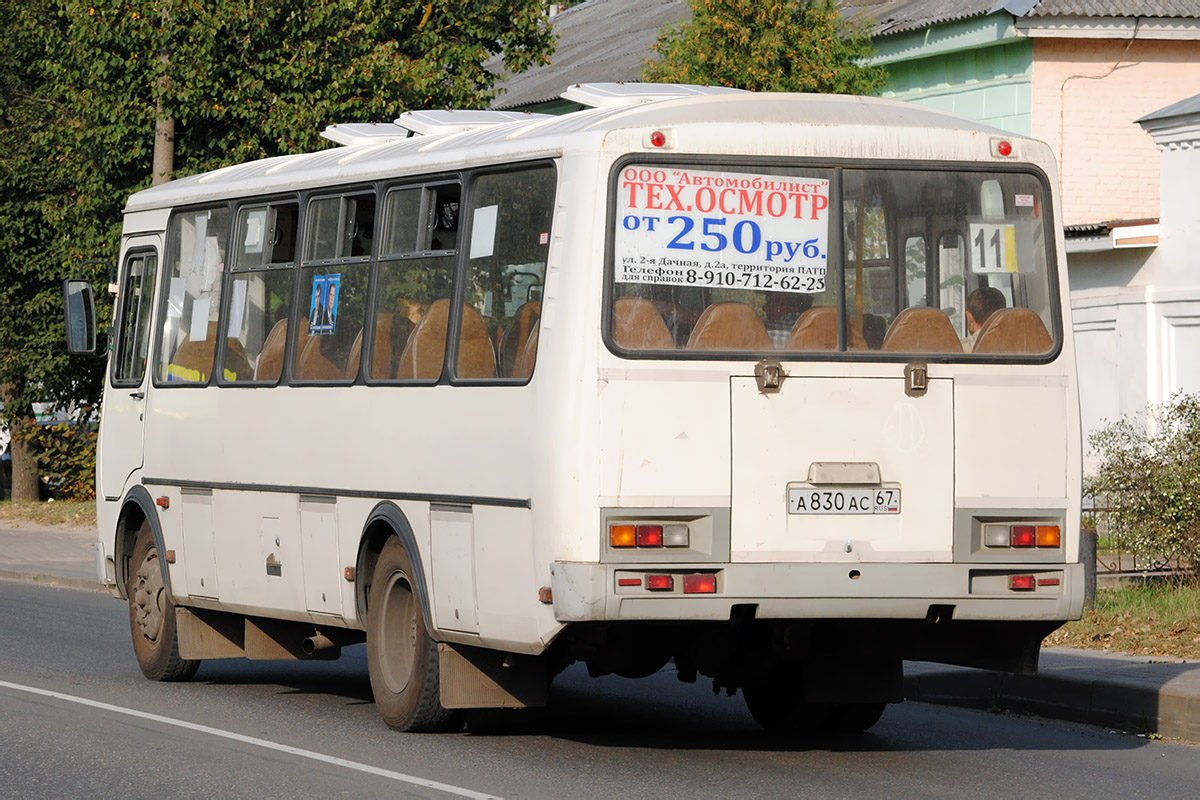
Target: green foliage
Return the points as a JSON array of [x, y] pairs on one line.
[[796, 46], [1149, 478], [67, 458], [81, 86]]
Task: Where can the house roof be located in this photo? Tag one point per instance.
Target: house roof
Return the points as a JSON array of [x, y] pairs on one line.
[[598, 40], [609, 40], [1181, 109]]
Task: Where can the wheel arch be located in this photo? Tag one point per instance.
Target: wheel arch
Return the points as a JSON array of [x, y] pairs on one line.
[[137, 507], [385, 521]]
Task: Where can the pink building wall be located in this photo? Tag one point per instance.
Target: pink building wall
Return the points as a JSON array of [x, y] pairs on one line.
[[1087, 110]]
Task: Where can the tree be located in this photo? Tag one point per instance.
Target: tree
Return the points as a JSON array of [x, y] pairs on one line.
[[784, 46], [83, 84]]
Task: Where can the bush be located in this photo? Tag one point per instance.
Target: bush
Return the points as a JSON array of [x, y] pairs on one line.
[[67, 459], [1149, 480]]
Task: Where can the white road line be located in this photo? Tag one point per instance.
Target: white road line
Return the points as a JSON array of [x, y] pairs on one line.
[[237, 737]]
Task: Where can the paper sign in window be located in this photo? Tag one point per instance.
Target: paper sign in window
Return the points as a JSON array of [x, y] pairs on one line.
[[734, 230], [237, 309], [483, 232], [175, 298], [199, 327]]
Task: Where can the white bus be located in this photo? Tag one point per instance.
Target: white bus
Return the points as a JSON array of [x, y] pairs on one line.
[[779, 389]]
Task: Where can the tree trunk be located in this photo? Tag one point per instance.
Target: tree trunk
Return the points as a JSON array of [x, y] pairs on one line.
[[24, 457], [164, 126]]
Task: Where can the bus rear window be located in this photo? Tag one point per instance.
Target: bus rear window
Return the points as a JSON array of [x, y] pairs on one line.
[[861, 263]]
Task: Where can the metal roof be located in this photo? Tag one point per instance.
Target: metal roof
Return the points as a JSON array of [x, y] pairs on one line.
[[1183, 108], [742, 115], [598, 40], [1116, 8]]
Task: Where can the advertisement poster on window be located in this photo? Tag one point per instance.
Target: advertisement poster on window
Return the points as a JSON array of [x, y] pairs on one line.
[[323, 305], [735, 230]]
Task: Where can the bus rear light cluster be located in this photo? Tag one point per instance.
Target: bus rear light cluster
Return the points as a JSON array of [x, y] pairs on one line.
[[693, 583], [649, 535], [1021, 535]]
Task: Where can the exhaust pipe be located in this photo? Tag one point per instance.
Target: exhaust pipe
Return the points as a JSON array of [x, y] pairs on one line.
[[317, 643]]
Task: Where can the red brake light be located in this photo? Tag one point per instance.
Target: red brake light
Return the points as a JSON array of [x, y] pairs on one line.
[[629, 581], [1004, 148], [1022, 536], [1021, 583], [699, 584], [649, 536], [660, 583], [658, 138]]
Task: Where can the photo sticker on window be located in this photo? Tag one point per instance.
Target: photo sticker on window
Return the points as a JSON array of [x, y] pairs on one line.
[[323, 305], [730, 229]]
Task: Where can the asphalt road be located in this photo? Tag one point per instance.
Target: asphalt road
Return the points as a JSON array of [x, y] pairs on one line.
[[77, 719]]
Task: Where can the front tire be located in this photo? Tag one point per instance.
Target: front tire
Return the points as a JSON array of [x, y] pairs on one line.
[[152, 616], [401, 657]]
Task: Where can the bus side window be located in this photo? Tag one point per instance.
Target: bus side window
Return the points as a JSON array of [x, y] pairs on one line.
[[952, 296], [260, 295], [133, 326], [415, 283], [196, 242], [509, 216], [333, 287]]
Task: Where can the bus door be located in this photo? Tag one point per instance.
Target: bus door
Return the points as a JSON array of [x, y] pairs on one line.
[[121, 423]]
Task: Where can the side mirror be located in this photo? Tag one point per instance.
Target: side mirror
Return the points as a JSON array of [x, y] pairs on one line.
[[80, 307]]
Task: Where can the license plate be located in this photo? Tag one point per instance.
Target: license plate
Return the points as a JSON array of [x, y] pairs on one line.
[[843, 500]]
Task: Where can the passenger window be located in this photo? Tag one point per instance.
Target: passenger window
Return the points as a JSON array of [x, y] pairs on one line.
[[416, 282], [951, 282], [196, 242], [915, 276], [509, 217], [133, 325], [333, 288], [260, 293]]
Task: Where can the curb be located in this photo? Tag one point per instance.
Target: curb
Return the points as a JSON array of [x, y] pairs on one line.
[[1124, 705], [52, 580]]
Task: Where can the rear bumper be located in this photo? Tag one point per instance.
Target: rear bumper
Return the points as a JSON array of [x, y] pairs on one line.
[[588, 592]]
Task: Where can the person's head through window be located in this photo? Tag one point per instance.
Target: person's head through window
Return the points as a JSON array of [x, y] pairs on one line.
[[981, 304]]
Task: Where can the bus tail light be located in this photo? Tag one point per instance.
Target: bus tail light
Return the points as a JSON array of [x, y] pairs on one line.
[[700, 584], [622, 536], [1025, 534], [1048, 536], [1022, 583], [660, 583], [649, 534]]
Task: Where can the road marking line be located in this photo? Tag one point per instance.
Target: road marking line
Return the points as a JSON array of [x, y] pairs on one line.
[[237, 737]]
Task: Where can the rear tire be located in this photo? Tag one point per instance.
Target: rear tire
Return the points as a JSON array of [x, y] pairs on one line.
[[401, 657], [152, 616], [776, 701]]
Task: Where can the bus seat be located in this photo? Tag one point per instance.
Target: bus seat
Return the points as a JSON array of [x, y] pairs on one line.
[[193, 361], [528, 357], [636, 325], [514, 336], [270, 359], [426, 346], [729, 325], [391, 332], [817, 329], [1013, 330], [312, 365], [476, 355], [922, 330]]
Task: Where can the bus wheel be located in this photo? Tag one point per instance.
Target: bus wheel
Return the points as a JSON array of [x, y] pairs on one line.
[[847, 718], [401, 658], [776, 701], [152, 616]]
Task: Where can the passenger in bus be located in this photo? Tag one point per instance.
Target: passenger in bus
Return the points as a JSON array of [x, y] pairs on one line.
[[781, 310], [981, 304]]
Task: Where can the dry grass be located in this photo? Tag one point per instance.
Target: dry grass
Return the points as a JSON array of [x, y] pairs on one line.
[[1156, 620], [51, 512]]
